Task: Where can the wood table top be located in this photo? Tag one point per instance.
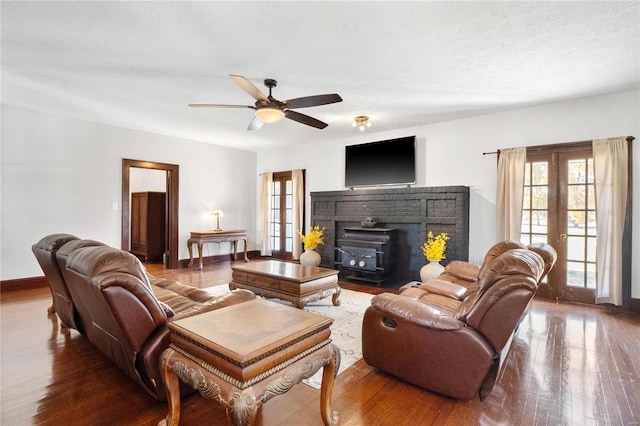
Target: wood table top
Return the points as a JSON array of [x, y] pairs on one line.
[[250, 329], [287, 270], [221, 232]]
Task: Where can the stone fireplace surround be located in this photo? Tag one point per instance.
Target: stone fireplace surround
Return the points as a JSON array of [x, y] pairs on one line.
[[411, 211]]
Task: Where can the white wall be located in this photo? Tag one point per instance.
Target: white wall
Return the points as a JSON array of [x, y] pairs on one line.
[[64, 175], [450, 153]]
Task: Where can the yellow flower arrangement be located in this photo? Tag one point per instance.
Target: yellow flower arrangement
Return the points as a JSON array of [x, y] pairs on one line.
[[314, 238], [435, 247]]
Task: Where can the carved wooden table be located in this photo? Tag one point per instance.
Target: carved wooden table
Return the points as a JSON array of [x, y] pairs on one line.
[[243, 355], [223, 236], [298, 284]]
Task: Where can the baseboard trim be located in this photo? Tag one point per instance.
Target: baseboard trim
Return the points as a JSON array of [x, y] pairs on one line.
[[23, 284], [220, 258]]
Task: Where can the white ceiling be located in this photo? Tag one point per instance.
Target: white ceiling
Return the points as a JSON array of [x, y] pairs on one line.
[[404, 64]]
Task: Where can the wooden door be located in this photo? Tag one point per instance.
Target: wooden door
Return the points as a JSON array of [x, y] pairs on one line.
[[559, 208], [282, 216]]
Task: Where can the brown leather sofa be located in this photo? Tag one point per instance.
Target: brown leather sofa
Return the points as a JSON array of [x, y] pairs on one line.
[[453, 344], [108, 296]]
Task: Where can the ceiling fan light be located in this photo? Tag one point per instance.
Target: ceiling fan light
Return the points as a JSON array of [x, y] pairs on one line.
[[361, 122], [270, 114]]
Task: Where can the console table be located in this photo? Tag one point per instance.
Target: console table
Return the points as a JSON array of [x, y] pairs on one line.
[[203, 237]]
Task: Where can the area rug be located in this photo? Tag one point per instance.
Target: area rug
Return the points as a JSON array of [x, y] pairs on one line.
[[345, 330]]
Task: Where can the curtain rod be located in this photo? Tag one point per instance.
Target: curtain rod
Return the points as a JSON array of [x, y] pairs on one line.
[[490, 153]]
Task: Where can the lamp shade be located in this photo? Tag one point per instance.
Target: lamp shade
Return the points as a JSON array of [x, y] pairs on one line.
[[269, 114]]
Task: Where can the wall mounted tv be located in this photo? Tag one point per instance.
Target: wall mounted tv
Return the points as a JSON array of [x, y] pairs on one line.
[[387, 162]]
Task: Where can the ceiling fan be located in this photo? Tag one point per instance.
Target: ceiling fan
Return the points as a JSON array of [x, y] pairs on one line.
[[270, 110]]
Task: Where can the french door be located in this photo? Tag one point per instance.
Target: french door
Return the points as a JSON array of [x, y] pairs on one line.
[[559, 208], [282, 216]]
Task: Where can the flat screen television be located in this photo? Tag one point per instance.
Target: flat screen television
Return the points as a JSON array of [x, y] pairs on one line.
[[387, 162]]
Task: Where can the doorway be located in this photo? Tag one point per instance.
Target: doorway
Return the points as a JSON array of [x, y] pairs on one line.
[[281, 226], [172, 180]]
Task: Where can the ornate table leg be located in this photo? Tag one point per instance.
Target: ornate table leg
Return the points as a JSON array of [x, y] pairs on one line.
[[336, 296], [329, 417], [235, 249], [246, 259], [190, 247], [200, 244], [242, 408], [172, 385]]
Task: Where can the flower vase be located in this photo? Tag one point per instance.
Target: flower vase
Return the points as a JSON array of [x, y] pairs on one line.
[[431, 270], [310, 257]]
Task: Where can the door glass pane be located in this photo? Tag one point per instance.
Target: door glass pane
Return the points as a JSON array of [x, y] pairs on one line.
[[576, 222], [539, 197], [591, 223], [526, 201], [577, 197], [591, 197], [539, 221], [575, 248], [591, 275], [540, 173], [577, 171], [575, 274], [539, 238], [591, 249], [526, 222]]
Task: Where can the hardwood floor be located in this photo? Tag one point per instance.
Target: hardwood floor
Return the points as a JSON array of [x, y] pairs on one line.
[[569, 364]]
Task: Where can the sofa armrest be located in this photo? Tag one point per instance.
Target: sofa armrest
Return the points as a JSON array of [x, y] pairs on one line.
[[463, 270], [445, 288], [415, 312], [231, 298]]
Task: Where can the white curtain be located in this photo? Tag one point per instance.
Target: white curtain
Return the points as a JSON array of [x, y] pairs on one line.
[[297, 178], [610, 157], [265, 213], [509, 194]]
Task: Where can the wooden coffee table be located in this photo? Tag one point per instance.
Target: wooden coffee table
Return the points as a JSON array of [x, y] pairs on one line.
[[298, 284], [243, 355]]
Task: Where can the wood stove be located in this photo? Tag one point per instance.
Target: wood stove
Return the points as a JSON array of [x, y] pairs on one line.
[[367, 253]]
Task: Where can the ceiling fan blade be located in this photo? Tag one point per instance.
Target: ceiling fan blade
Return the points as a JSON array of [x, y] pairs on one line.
[[310, 101], [220, 106], [305, 119], [249, 87], [255, 124]]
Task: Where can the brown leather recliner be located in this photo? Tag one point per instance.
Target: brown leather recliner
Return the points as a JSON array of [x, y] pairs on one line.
[[45, 253], [445, 344], [460, 277], [465, 273]]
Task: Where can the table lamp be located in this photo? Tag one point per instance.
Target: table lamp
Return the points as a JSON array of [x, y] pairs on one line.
[[217, 213]]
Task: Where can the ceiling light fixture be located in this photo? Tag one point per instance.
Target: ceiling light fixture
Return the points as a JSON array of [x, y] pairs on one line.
[[270, 114], [361, 121]]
